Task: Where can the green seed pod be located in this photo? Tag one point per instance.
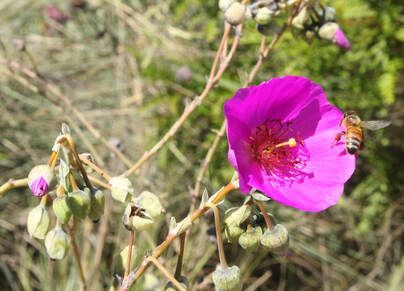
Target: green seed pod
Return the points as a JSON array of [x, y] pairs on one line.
[[264, 15], [301, 19], [121, 188], [79, 202], [233, 233], [150, 203], [276, 237], [97, 205], [142, 223], [225, 4], [61, 209], [327, 30], [171, 287], [38, 222], [227, 279], [235, 14], [250, 240], [57, 243], [237, 216]]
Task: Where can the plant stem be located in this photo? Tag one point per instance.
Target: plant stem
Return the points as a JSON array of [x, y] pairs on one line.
[[178, 268], [187, 222], [219, 238], [76, 254], [12, 184], [268, 221], [93, 166], [166, 273], [128, 261]]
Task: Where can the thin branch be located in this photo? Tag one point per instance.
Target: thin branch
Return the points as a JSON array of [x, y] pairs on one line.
[[264, 212], [182, 226], [12, 184], [219, 238], [194, 104], [166, 273]]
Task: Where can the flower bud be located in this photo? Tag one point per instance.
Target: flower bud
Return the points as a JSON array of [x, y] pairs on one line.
[[57, 243], [233, 233], [171, 287], [250, 240], [227, 279], [38, 222], [40, 179], [142, 223], [327, 30], [276, 237], [121, 188], [97, 205], [237, 216], [79, 202], [150, 203], [225, 4], [301, 19], [61, 209], [235, 13], [263, 16]]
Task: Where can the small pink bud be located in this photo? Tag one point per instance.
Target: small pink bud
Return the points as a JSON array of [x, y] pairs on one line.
[[55, 14], [341, 40], [39, 180]]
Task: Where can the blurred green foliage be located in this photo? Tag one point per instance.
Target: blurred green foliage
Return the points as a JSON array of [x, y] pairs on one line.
[[100, 61]]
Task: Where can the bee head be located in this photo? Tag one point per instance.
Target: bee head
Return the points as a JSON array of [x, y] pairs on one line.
[[352, 117]]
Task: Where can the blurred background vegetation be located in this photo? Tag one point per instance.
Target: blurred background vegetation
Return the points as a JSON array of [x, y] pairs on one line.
[[131, 76]]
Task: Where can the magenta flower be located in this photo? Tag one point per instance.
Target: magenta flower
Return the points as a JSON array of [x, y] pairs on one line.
[[40, 179], [39, 187], [281, 136], [341, 40]]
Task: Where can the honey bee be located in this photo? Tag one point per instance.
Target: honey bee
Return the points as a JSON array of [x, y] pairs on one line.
[[354, 140]]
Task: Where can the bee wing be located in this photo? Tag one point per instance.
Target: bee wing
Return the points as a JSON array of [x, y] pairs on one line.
[[375, 124]]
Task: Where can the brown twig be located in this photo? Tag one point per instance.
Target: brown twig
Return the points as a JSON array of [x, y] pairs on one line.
[[103, 173], [166, 273], [212, 81], [181, 228], [180, 259]]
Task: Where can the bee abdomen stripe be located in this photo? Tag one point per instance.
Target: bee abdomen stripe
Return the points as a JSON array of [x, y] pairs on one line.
[[353, 142]]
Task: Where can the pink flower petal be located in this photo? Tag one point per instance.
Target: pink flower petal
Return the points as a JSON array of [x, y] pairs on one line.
[[341, 40], [39, 187]]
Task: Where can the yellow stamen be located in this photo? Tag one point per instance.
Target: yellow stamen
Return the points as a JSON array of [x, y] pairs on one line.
[[291, 142]]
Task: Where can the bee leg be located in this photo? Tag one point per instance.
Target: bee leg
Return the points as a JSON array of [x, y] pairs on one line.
[[338, 137]]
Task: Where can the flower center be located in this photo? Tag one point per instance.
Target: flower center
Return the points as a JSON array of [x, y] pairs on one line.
[[278, 149]]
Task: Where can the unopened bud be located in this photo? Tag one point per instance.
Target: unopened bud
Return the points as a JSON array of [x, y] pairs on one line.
[[264, 15], [225, 4], [233, 233], [79, 202], [227, 279], [40, 179], [300, 20], [237, 216], [61, 209], [276, 237], [235, 14], [38, 222], [57, 243], [97, 205], [327, 30], [171, 287], [150, 203], [121, 188], [250, 240]]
